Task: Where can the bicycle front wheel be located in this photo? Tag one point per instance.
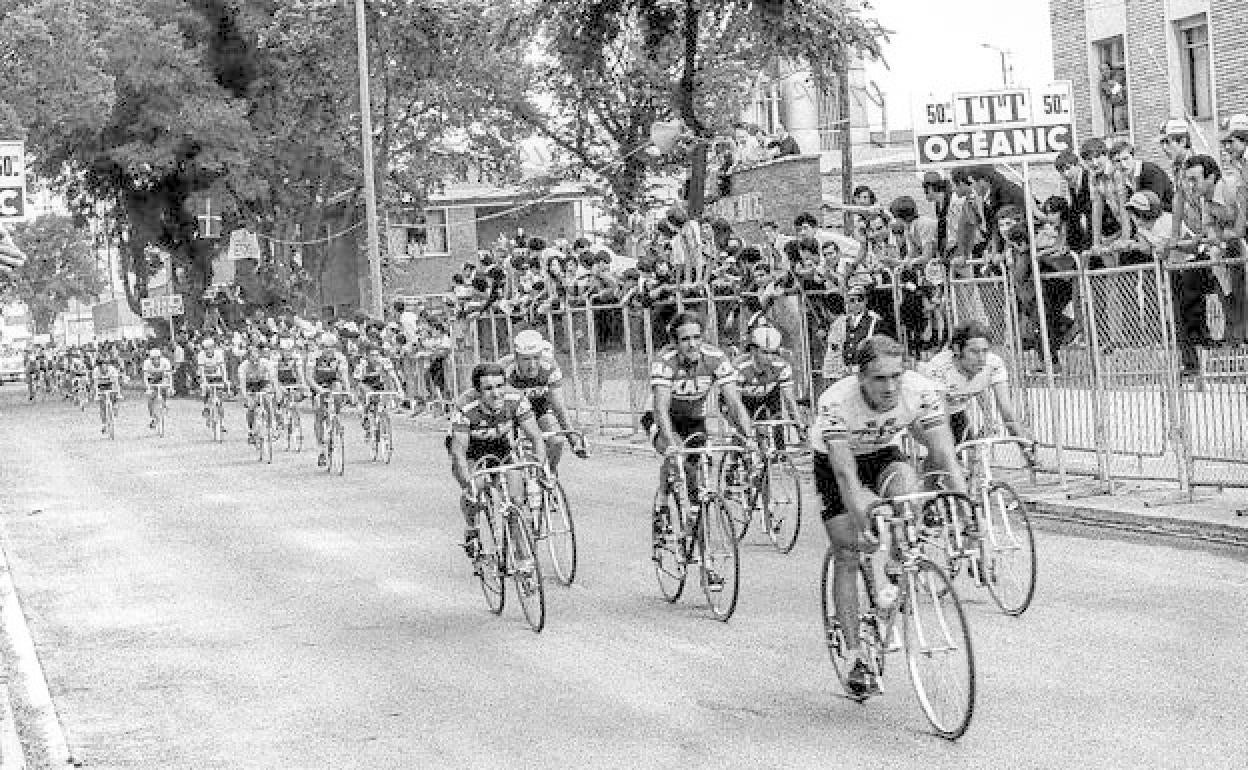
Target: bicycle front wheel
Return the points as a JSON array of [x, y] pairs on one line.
[[560, 533], [266, 438], [938, 649], [337, 448], [489, 563], [526, 569], [736, 494], [671, 560], [160, 419], [1009, 550], [385, 438], [721, 567], [782, 502], [294, 430], [111, 420]]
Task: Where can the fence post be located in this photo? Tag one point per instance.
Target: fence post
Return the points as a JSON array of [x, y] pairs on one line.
[[1176, 406], [570, 327], [1100, 429], [494, 335], [595, 382], [633, 406]]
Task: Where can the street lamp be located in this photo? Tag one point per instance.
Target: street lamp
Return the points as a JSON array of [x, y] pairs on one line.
[[1005, 53]]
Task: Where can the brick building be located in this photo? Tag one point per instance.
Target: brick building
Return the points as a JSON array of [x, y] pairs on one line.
[[1173, 57]]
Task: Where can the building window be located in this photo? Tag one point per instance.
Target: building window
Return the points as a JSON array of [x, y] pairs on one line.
[[829, 118], [1194, 63], [768, 106], [427, 236], [1112, 84]]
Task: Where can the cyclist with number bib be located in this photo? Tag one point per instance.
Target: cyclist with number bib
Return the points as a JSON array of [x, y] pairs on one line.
[[211, 370], [289, 369], [327, 372], [766, 378], [79, 373], [107, 379], [373, 373], [157, 377], [532, 370], [857, 459], [969, 370], [681, 381], [257, 375], [485, 422]]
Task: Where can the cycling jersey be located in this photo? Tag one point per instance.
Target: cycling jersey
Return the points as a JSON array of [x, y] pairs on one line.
[[691, 382], [256, 377], [372, 374], [213, 363], [327, 368], [481, 424], [107, 378], [537, 388], [758, 381], [288, 370], [960, 389], [844, 415], [158, 373]]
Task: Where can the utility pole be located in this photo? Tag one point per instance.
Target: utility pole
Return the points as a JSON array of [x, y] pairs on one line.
[[847, 145], [1004, 53], [370, 185]]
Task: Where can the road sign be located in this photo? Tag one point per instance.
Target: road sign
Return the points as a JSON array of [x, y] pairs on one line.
[[12, 181], [1000, 126], [161, 307]]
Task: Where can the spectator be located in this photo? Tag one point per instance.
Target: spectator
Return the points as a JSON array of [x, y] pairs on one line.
[[939, 193], [1223, 223], [1113, 88], [750, 152], [971, 227], [995, 192], [1138, 175], [1078, 215], [782, 144], [1108, 215]]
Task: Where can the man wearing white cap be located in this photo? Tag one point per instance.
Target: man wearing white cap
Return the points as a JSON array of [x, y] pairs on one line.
[[1223, 226]]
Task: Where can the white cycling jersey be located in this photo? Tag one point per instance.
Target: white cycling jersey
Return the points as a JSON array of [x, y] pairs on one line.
[[960, 389], [844, 415]]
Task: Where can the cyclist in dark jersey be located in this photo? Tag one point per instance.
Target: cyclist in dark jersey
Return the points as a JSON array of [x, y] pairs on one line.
[[681, 380], [327, 373], [484, 422]]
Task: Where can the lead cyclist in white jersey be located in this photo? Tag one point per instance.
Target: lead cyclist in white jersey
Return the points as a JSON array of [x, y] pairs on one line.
[[857, 458], [968, 371]]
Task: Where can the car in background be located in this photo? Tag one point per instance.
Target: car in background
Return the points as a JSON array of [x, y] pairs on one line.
[[12, 364]]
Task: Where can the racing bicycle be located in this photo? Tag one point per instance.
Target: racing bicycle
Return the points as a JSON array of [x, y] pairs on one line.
[[216, 411], [927, 616], [766, 483], [264, 426], [380, 435], [552, 513], [505, 547], [289, 423]]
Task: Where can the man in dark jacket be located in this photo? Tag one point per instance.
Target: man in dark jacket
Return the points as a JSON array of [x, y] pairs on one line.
[[1142, 175]]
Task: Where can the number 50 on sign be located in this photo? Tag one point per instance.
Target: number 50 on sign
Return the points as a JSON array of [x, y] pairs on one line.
[[12, 181]]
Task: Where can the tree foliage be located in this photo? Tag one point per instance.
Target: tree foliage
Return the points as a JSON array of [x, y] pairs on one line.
[[142, 104], [608, 69], [60, 266]]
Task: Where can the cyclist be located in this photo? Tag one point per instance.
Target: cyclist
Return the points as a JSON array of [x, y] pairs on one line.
[[532, 370], [257, 375], [79, 373], [858, 424], [484, 422], [107, 379], [157, 380], [211, 370], [681, 381], [373, 373], [327, 372], [969, 370], [290, 365], [766, 377], [36, 366]]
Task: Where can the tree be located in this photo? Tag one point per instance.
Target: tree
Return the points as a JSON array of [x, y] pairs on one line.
[[60, 266], [612, 68]]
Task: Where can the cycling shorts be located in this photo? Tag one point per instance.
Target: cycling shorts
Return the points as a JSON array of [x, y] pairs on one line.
[[683, 426], [287, 378], [961, 427], [256, 386], [771, 403], [871, 470], [478, 448]]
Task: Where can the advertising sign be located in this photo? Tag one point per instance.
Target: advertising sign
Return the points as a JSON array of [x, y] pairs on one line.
[[1000, 126], [161, 307], [12, 181]]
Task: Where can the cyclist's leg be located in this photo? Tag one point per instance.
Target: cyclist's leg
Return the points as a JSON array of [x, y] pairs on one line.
[[896, 478], [844, 530], [319, 416], [103, 410]]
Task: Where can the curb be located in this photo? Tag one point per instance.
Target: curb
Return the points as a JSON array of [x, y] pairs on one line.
[[46, 723]]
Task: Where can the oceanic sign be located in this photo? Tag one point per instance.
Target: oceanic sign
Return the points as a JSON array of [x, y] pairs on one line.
[[999, 126], [12, 181]]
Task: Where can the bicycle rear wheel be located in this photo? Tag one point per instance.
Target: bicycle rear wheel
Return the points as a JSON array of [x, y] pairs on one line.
[[111, 419], [721, 567], [489, 564], [560, 533], [1009, 550], [782, 502], [214, 421], [160, 418], [265, 437], [294, 429], [671, 565], [938, 649], [738, 498], [385, 438], [526, 569]]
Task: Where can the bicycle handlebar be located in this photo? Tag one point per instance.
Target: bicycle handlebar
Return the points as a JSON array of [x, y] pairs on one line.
[[378, 394], [918, 498], [1024, 443], [496, 470]]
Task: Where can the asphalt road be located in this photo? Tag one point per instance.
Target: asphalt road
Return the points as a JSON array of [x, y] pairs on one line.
[[194, 609]]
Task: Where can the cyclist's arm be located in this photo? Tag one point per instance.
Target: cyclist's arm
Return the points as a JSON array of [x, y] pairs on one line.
[[938, 439], [554, 397], [459, 459], [732, 396], [533, 432], [1005, 407], [662, 414]]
